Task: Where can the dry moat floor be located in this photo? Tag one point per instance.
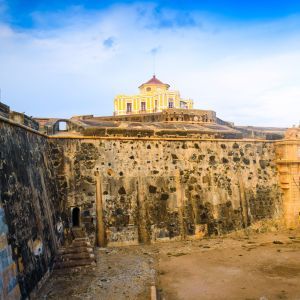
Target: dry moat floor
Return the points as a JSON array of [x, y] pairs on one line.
[[239, 266]]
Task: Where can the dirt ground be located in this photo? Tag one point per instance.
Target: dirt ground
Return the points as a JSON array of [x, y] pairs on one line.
[[258, 266], [239, 266], [121, 273]]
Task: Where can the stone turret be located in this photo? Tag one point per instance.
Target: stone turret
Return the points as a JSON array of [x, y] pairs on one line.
[[288, 161]]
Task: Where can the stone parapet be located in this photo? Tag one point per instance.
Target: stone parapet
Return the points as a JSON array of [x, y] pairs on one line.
[[17, 117], [166, 115], [4, 110], [24, 120]]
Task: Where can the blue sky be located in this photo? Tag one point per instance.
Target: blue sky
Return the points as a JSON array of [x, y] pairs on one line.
[[20, 10], [239, 58]]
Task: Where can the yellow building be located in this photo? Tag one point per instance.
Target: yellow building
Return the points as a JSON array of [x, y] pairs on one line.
[[154, 97]]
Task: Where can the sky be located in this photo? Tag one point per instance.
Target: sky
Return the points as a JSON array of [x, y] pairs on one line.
[[238, 58]]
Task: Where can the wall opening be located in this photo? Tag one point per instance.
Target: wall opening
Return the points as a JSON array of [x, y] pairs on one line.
[[62, 126], [183, 105], [76, 217]]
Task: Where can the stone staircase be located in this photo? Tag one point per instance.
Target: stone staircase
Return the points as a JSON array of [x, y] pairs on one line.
[[78, 253]]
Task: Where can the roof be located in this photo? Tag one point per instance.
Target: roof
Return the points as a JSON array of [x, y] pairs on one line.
[[154, 80]]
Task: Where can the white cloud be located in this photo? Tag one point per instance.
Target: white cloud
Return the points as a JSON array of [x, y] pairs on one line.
[[248, 73]]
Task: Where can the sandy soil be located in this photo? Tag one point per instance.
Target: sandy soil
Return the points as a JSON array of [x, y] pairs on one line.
[[264, 266], [239, 266]]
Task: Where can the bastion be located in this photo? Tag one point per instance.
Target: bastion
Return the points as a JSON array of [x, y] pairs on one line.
[[157, 170]]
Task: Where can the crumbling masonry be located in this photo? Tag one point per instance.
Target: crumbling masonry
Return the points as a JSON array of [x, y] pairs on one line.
[[134, 187]]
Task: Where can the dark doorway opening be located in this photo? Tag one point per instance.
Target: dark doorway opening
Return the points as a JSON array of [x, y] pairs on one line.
[[76, 217]]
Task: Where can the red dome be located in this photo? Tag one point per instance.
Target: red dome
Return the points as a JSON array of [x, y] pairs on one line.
[[154, 80]]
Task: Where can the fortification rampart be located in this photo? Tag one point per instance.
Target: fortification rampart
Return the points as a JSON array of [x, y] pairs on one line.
[[9, 286], [28, 195], [154, 189], [148, 190]]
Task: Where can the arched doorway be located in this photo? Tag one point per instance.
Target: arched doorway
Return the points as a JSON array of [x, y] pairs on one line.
[[76, 217]]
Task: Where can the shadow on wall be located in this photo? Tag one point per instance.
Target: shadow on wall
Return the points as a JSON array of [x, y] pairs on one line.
[[9, 287], [28, 193]]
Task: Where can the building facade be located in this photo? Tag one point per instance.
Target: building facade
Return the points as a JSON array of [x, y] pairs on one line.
[[154, 97]]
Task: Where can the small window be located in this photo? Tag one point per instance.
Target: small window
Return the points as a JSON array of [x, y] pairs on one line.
[[148, 89], [171, 104], [156, 104], [143, 106], [129, 107], [183, 105]]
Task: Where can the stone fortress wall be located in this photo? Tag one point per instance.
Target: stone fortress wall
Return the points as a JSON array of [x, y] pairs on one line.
[[28, 198], [154, 190], [148, 190], [9, 287], [17, 117]]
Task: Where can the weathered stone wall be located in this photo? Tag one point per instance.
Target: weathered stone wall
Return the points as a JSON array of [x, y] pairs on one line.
[[28, 196], [9, 288], [149, 189], [154, 189], [4, 110]]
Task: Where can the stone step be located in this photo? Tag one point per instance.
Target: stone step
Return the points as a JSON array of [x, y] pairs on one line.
[[74, 263], [78, 253], [79, 235], [76, 243], [78, 232], [75, 256], [75, 250], [82, 239]]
